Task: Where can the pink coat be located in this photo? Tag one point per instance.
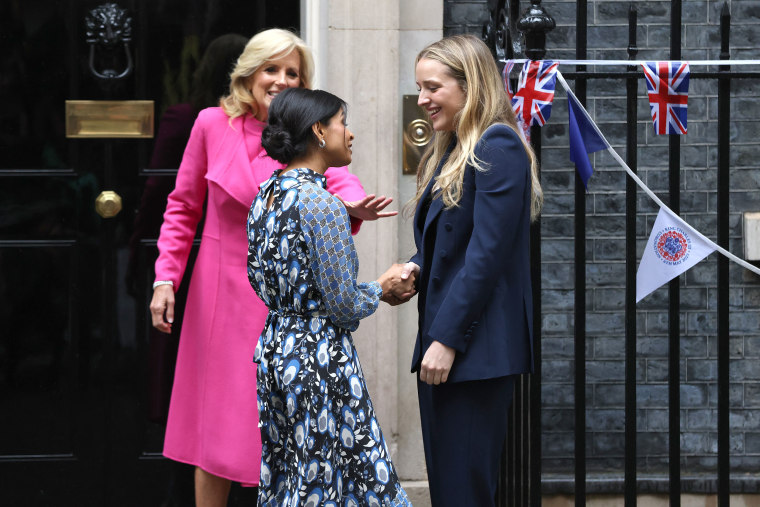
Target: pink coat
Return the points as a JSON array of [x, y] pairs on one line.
[[213, 416]]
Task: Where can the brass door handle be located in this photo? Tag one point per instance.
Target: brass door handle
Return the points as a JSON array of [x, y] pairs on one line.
[[108, 204]]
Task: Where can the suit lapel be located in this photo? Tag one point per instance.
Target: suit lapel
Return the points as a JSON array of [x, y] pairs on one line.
[[436, 205]]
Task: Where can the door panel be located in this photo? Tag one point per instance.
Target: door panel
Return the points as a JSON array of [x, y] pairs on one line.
[[84, 380]]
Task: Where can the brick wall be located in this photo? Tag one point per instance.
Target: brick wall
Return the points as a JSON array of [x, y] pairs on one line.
[[464, 16], [605, 212]]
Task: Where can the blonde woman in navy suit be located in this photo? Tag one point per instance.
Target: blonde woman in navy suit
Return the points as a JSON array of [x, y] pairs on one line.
[[477, 193]]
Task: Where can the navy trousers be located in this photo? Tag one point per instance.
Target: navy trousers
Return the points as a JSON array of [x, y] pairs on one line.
[[464, 426]]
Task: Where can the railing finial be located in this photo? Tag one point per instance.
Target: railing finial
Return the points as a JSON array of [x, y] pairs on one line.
[[534, 23]]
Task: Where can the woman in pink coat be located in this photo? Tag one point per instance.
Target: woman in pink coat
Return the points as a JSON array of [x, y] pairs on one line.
[[213, 416]]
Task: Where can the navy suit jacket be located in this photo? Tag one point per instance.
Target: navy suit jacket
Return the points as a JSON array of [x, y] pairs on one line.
[[474, 283]]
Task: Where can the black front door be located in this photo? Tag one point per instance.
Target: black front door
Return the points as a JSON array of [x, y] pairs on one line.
[[84, 382]]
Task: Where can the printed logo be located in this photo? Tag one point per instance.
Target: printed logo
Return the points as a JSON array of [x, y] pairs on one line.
[[672, 245]]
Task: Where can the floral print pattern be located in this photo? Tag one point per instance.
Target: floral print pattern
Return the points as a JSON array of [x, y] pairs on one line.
[[321, 441]]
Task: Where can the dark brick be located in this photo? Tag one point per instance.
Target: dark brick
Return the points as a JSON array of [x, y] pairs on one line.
[[609, 395], [611, 323], [752, 346], [736, 300], [742, 370], [556, 445], [693, 346], [735, 394], [605, 420], [604, 371], [744, 322], [605, 275], [557, 395], [557, 250], [702, 370], [558, 203], [698, 443], [610, 226], [702, 419], [556, 323], [744, 419], [752, 442], [657, 370], [609, 299], [609, 347], [752, 297], [652, 347], [557, 275], [557, 370], [652, 396], [657, 419], [557, 226], [557, 419], [693, 298], [647, 13], [553, 347], [652, 444], [735, 347], [702, 323], [741, 12], [693, 395], [657, 322], [608, 444], [470, 13]]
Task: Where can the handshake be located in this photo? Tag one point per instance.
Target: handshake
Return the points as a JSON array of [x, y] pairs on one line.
[[398, 283]]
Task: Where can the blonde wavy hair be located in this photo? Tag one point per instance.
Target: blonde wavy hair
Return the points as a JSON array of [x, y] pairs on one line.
[[469, 61], [259, 50]]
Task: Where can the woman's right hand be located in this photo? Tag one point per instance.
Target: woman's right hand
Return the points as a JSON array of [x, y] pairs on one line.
[[162, 308]]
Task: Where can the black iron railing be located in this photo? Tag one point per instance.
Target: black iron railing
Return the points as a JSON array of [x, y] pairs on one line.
[[521, 481]]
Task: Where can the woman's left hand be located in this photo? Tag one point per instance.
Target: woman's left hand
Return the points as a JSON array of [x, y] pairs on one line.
[[369, 208], [436, 364]]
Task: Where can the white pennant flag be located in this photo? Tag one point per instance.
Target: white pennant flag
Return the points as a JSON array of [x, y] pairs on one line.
[[673, 247]]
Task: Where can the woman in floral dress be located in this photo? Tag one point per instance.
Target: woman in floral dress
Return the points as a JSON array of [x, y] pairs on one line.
[[321, 441]]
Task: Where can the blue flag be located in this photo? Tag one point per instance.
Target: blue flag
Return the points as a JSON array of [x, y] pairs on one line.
[[584, 138]]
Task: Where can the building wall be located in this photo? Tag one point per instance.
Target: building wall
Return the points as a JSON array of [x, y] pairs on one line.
[[605, 229]]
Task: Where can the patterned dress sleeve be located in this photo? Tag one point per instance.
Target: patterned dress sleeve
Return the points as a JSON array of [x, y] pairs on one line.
[[333, 259], [348, 187]]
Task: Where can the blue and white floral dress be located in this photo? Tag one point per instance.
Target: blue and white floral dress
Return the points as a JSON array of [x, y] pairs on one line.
[[321, 442]]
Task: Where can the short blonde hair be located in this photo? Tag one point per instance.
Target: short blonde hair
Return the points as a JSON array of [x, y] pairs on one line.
[[261, 48], [469, 61]]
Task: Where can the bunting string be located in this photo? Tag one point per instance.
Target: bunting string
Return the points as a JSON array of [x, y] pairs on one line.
[[640, 183], [700, 63]]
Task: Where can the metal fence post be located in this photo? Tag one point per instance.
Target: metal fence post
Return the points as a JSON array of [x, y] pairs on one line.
[[534, 23], [724, 150], [630, 267]]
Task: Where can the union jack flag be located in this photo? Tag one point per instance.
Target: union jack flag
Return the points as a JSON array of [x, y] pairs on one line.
[[524, 129], [668, 88], [532, 102], [505, 74]]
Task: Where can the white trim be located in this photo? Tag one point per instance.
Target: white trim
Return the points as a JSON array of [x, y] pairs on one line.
[[314, 32]]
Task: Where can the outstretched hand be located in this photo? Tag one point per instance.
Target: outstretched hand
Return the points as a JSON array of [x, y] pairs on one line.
[[369, 208]]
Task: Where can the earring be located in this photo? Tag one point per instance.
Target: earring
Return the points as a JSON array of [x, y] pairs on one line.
[[322, 143]]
